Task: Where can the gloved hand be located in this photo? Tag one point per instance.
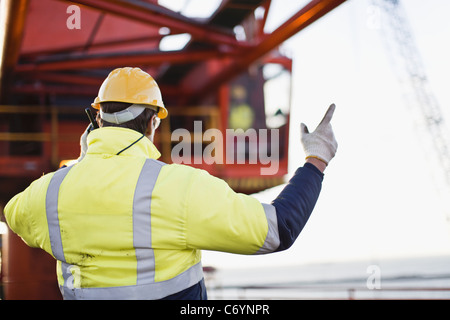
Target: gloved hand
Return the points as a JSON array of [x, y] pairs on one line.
[[83, 142], [321, 143]]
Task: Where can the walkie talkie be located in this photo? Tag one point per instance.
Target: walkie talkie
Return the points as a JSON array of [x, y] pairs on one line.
[[91, 118]]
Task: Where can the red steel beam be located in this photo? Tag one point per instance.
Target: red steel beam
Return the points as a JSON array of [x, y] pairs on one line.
[[262, 22], [153, 14], [61, 82], [13, 17], [97, 45], [55, 89], [63, 78], [303, 18], [77, 90], [117, 60]]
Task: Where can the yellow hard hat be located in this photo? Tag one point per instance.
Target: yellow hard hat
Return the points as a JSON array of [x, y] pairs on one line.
[[131, 85]]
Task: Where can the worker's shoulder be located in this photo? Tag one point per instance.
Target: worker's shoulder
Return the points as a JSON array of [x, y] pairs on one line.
[[176, 167], [45, 178], [41, 184], [192, 175], [182, 170], [37, 189]]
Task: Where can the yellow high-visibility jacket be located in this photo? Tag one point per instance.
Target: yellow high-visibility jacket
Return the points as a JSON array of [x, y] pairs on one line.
[[129, 226]]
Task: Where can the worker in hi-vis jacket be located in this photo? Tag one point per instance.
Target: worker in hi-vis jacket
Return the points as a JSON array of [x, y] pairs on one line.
[[123, 225]]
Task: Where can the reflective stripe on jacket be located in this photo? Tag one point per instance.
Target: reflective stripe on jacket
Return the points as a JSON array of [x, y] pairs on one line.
[[130, 227]]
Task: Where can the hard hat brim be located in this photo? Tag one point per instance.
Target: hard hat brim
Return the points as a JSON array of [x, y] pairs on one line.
[[162, 111]]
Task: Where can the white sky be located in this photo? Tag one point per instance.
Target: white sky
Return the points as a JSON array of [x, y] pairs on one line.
[[379, 198]]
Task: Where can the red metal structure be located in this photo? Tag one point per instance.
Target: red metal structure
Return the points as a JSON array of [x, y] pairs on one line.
[[55, 55]]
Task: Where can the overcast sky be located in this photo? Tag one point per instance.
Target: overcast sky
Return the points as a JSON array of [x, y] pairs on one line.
[[380, 198]]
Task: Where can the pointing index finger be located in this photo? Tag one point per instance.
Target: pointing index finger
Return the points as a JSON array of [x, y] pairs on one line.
[[328, 115]]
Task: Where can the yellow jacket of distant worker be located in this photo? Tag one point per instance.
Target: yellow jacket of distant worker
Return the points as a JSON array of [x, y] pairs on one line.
[[129, 226]]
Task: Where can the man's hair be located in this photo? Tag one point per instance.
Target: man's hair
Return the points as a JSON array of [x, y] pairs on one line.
[[139, 124]]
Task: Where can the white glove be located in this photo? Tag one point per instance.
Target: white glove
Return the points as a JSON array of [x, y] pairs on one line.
[[321, 143], [83, 142]]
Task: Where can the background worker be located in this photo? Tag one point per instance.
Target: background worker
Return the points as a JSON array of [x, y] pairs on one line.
[[123, 225]]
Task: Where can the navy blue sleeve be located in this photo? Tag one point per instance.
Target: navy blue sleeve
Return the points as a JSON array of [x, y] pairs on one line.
[[196, 292], [296, 202]]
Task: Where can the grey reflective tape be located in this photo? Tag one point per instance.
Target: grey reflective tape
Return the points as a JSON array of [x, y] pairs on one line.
[[272, 241], [130, 113], [142, 231], [51, 208], [156, 290]]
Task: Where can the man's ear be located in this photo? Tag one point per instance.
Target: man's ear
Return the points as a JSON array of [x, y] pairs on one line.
[[150, 125], [98, 119]]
